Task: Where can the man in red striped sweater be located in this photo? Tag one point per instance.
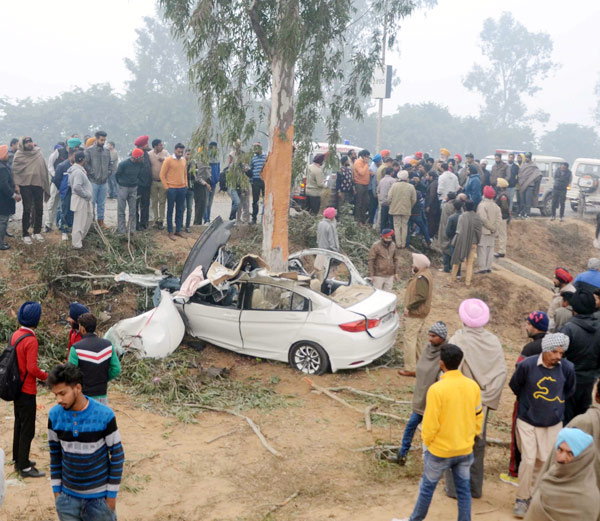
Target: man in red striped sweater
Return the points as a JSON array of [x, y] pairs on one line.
[[27, 346]]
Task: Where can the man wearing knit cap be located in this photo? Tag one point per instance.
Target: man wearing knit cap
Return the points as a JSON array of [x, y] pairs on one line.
[[584, 350], [383, 261], [402, 197], [542, 384], [75, 311], [428, 370], [567, 489], [417, 304], [491, 219], [26, 343], [589, 280], [144, 187], [562, 283], [483, 362], [99, 167]]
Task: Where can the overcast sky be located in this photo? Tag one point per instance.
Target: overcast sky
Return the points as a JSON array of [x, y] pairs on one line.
[[59, 45]]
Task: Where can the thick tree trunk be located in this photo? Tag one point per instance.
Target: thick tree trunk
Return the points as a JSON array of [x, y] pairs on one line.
[[277, 173]]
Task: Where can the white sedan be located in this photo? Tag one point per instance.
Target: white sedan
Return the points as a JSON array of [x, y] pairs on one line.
[[336, 322]]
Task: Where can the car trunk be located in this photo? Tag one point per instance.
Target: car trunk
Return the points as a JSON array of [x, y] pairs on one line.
[[380, 306]]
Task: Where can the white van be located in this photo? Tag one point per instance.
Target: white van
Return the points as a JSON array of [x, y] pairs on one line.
[[586, 178], [547, 165]]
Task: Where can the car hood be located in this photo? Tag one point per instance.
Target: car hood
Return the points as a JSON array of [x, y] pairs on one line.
[[207, 246]]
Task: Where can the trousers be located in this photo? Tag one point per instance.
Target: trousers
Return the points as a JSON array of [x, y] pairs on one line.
[[24, 429], [99, 199], [158, 198], [401, 229], [82, 220], [126, 197], [143, 206], [258, 189], [33, 208], [361, 203], [175, 201], [383, 283], [71, 508], [469, 263], [3, 227], [200, 202], [414, 329], [502, 236], [559, 197], [52, 206], [485, 252]]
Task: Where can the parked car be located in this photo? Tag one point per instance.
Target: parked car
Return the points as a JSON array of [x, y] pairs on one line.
[[548, 165], [339, 322], [586, 180]]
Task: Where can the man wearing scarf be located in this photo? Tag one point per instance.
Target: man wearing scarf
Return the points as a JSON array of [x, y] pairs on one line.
[[383, 261], [562, 282], [542, 383], [417, 304], [428, 371], [529, 180], [30, 174], [568, 490], [468, 235], [483, 362]]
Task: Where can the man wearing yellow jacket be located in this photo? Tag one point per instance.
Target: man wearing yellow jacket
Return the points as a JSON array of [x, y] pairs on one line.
[[452, 420]]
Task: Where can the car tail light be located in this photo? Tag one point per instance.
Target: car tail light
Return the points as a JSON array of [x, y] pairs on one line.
[[360, 325]]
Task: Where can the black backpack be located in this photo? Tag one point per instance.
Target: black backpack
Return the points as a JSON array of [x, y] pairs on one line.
[[10, 380]]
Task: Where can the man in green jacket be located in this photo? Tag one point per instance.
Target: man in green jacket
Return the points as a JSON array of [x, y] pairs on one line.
[[128, 177]]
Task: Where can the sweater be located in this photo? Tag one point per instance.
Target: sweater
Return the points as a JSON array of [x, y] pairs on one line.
[[173, 173], [402, 197], [327, 235], [27, 360], [86, 455], [447, 182], [98, 362], [542, 391], [257, 163], [130, 173], [453, 416], [99, 164], [361, 172]]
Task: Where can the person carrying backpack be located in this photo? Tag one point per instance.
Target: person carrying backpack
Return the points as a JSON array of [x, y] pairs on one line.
[[26, 343]]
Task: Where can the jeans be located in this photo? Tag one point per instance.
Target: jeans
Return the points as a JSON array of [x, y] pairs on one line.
[[419, 221], [143, 207], [127, 196], [99, 199], [526, 201], [66, 222], [189, 207], [3, 227], [71, 508], [559, 198], [409, 433], [176, 200], [385, 218], [24, 429], [113, 187], [235, 203], [258, 189], [361, 206], [33, 206], [211, 196], [433, 468]]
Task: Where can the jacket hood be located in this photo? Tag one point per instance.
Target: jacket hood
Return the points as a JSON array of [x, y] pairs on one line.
[[586, 322]]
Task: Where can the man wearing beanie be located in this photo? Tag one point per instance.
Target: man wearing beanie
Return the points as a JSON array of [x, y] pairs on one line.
[[589, 280], [491, 219], [428, 370], [75, 311], [542, 383], [562, 282], [417, 304], [383, 261], [584, 351], [26, 343]]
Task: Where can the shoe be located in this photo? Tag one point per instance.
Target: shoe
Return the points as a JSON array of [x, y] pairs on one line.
[[38, 237], [404, 372], [47, 229], [187, 230], [520, 508], [171, 236], [32, 472], [27, 240], [101, 224], [403, 519], [160, 225], [481, 272], [178, 234], [65, 237], [4, 246], [562, 220], [553, 218], [511, 480], [401, 460], [499, 255]]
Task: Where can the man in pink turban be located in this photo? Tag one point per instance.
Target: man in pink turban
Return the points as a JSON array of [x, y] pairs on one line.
[[483, 362], [327, 239], [417, 304], [491, 219]]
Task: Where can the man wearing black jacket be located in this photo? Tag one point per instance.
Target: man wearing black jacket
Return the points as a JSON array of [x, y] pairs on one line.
[[512, 174], [7, 195], [130, 174], [583, 331], [562, 179]]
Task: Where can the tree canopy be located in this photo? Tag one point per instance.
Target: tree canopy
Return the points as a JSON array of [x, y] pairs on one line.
[[571, 141]]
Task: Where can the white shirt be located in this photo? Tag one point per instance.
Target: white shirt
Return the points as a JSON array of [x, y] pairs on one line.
[[447, 182]]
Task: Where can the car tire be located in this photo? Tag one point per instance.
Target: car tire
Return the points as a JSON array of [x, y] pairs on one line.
[[546, 208], [309, 358], [574, 206]]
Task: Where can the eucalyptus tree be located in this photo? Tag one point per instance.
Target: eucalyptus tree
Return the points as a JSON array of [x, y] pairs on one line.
[[308, 57]]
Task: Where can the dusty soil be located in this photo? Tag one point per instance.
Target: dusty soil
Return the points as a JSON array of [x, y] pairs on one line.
[[175, 471]]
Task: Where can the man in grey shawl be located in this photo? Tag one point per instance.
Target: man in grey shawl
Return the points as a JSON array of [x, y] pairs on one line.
[[427, 373], [529, 181], [468, 234], [483, 362]]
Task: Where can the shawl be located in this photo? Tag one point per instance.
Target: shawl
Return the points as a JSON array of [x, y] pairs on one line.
[[567, 492], [428, 370], [528, 175], [29, 169], [483, 362], [468, 232], [447, 211]]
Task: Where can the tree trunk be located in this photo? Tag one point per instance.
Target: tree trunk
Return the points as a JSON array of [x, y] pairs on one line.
[[277, 172]]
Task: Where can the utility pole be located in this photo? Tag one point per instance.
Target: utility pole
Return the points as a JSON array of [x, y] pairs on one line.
[[380, 113]]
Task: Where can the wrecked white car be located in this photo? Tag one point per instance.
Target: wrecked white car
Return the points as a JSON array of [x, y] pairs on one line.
[[336, 322]]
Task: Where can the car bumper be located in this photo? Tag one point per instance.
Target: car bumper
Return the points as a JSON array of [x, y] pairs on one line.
[[362, 350]]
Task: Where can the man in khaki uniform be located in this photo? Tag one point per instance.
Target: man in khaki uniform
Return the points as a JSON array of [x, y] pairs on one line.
[[402, 197], [491, 219], [158, 194], [417, 304], [383, 261]]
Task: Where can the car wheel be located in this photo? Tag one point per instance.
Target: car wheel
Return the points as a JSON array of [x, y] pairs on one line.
[[309, 358], [546, 208], [574, 206]]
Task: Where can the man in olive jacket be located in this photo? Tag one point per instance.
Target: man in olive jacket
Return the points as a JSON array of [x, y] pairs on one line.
[[402, 197]]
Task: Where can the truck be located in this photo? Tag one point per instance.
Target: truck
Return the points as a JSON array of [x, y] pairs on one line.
[[584, 186]]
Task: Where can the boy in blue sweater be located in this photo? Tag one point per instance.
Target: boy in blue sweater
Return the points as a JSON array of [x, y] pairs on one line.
[[542, 384], [86, 455]]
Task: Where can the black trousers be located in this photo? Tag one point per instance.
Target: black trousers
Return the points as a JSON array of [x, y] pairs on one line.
[[143, 206], [361, 203], [33, 208], [313, 203], [24, 429], [559, 197], [258, 189], [200, 202]]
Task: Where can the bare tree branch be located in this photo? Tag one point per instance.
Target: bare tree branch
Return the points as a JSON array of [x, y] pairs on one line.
[[258, 30]]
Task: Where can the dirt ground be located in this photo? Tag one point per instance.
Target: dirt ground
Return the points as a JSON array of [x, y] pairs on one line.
[[180, 471]]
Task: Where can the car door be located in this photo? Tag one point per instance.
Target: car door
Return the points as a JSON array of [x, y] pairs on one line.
[[217, 320], [272, 319]]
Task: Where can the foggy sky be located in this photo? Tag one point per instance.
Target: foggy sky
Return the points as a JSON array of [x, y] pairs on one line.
[[52, 46]]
